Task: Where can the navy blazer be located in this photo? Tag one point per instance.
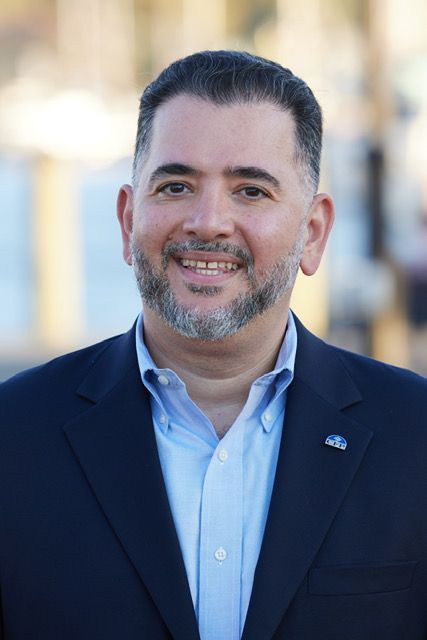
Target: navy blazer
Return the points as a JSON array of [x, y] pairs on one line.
[[88, 548]]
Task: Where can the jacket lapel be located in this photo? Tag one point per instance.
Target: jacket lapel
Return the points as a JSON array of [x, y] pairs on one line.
[[311, 480], [115, 445]]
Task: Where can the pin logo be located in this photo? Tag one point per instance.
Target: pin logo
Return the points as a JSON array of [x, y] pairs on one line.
[[336, 441]]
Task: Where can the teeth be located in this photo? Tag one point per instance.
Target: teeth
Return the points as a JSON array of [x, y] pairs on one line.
[[208, 272], [189, 263], [211, 268]]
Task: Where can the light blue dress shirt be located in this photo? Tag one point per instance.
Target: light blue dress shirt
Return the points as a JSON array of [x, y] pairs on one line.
[[219, 490]]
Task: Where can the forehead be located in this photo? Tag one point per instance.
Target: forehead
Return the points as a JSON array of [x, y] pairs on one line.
[[197, 131]]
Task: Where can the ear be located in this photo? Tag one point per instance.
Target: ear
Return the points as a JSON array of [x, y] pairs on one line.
[[125, 217], [318, 225]]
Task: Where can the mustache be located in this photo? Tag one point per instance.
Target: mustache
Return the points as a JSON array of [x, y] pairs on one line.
[[214, 246]]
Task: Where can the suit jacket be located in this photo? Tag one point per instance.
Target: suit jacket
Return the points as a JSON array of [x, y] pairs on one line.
[[88, 548]]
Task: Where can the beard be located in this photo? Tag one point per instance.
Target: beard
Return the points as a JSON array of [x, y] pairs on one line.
[[264, 290]]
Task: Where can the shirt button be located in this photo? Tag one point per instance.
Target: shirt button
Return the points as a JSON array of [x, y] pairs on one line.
[[162, 419], [163, 379], [220, 554], [222, 455], [268, 416]]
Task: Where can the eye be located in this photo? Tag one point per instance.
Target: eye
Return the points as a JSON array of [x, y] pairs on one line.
[[174, 189], [253, 193]]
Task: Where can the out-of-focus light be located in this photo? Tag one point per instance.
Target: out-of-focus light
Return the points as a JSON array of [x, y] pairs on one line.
[[361, 288], [71, 124], [417, 152]]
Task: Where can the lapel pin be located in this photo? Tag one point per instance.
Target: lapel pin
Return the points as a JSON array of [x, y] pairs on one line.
[[336, 441]]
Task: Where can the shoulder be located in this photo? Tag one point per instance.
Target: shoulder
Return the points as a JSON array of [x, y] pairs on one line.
[[318, 356], [349, 379], [48, 388], [66, 363], [371, 374], [391, 398]]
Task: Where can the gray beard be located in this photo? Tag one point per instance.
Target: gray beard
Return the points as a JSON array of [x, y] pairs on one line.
[[223, 321]]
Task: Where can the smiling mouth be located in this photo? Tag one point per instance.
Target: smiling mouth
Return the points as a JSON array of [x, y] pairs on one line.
[[205, 268]]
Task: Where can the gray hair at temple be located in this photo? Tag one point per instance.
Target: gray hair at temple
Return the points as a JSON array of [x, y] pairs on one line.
[[236, 77]]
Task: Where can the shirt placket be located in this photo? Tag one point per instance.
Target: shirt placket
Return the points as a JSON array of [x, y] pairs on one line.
[[221, 530]]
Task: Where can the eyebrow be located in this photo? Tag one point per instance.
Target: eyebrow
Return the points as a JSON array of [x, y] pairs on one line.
[[253, 173], [172, 169], [179, 169]]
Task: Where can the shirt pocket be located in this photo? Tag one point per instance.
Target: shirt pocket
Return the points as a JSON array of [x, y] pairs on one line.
[[361, 579]]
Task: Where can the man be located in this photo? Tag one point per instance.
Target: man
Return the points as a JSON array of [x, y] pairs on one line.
[[218, 472]]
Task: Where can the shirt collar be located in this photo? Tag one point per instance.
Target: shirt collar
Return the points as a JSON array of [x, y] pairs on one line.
[[285, 362], [281, 374]]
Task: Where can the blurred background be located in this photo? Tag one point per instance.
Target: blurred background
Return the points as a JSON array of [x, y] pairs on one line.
[[71, 72]]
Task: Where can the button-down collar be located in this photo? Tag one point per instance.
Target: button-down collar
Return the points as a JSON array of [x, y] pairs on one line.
[[168, 390]]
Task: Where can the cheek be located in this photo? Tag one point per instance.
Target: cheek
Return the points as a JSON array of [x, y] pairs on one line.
[[150, 233], [271, 249], [268, 239], [157, 224]]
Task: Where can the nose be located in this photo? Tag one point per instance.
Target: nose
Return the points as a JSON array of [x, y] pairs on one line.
[[210, 217]]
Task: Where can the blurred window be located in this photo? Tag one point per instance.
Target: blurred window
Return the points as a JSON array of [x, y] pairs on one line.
[[111, 299], [17, 272]]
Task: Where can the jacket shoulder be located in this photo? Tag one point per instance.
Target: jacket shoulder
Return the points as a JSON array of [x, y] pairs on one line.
[[48, 387], [390, 396], [368, 371], [323, 365]]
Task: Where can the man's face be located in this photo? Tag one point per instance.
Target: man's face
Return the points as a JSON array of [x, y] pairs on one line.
[[219, 221]]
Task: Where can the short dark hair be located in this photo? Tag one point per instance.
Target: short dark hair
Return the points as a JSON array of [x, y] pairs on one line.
[[230, 77]]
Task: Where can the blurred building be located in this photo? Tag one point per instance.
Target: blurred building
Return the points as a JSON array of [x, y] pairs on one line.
[[71, 73]]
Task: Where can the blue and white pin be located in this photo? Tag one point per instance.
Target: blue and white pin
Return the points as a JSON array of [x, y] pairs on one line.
[[339, 442]]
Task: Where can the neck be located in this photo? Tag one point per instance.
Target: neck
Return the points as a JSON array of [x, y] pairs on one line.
[[223, 369]]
